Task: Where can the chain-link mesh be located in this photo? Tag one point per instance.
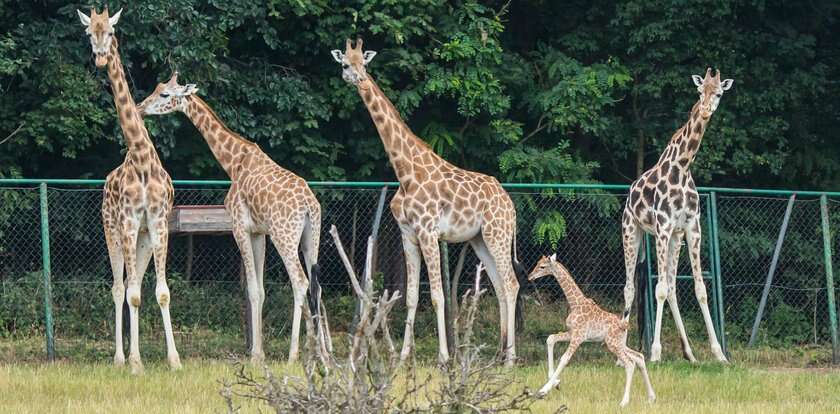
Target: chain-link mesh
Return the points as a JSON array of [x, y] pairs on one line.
[[583, 227]]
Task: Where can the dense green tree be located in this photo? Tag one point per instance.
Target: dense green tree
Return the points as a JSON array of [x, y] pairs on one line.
[[531, 90]]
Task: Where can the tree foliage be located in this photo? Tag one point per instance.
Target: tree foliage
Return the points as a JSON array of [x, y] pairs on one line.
[[531, 90]]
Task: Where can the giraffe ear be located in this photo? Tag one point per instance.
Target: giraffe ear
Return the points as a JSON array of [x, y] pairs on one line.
[[369, 56], [337, 55], [697, 80], [84, 18], [726, 84], [115, 18], [553, 257], [190, 89]]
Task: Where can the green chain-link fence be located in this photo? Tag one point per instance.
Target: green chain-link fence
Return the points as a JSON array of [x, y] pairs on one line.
[[580, 223]]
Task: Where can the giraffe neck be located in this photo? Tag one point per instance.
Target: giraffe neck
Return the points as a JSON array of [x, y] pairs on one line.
[[573, 293], [226, 145], [402, 146], [686, 141], [134, 131]]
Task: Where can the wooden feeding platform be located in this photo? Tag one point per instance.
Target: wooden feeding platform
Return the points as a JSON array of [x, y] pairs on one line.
[[200, 220]]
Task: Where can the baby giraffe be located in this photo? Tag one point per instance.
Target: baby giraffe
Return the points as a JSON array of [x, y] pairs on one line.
[[587, 322]]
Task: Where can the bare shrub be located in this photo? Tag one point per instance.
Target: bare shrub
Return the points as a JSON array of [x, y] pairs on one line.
[[364, 381]]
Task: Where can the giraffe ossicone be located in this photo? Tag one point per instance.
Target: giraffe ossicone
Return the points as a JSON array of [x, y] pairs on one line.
[[438, 201], [664, 202]]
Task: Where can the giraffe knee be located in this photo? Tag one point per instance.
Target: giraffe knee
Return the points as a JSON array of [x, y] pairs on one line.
[[700, 292], [661, 291], [133, 293], [163, 296]]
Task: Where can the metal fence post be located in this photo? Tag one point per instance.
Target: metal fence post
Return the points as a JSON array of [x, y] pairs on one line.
[[773, 263], [45, 258], [829, 278], [714, 239]]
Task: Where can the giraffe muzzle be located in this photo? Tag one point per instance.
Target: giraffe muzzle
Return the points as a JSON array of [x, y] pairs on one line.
[[101, 60]]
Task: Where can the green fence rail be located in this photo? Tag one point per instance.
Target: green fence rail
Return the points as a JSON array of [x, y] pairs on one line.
[[51, 227]]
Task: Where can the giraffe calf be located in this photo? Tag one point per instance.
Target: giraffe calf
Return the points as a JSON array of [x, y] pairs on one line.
[[587, 322]]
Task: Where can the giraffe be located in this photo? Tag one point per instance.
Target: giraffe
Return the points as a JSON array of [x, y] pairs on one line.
[[136, 201], [438, 201], [664, 202], [588, 322], [264, 198]]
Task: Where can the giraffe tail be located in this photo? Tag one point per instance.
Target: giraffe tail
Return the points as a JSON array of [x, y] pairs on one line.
[[521, 277]]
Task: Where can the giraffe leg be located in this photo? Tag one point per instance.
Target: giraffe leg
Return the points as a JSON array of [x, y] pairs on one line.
[[497, 237], [431, 254], [255, 290], [554, 377], [130, 246], [639, 359], [673, 261], [480, 249], [412, 283], [159, 232], [549, 344], [663, 236], [615, 343], [117, 292], [288, 249], [629, 367], [309, 242], [693, 241], [632, 240]]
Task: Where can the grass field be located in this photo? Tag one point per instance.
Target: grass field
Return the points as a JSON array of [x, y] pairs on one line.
[[587, 387]]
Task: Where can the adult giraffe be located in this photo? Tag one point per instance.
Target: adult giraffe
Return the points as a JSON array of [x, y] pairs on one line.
[[264, 198], [136, 201], [439, 201], [664, 202]]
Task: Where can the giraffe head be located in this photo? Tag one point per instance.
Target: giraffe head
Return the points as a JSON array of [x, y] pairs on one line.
[[100, 28], [353, 61], [544, 267], [167, 97], [711, 89]]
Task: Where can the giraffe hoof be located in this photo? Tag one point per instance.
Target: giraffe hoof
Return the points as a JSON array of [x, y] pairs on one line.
[[655, 353], [651, 399], [175, 362], [624, 403], [136, 366], [257, 359], [119, 360]]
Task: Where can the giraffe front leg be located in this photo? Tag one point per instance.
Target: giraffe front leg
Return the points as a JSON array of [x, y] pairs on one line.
[[412, 296], [554, 377], [632, 240], [549, 344], [673, 260], [662, 238], [431, 254], [117, 293], [160, 240], [693, 241], [133, 260]]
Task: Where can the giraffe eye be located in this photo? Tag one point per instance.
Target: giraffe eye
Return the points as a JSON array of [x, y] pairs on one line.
[[164, 95], [345, 66]]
